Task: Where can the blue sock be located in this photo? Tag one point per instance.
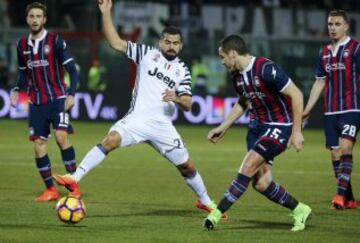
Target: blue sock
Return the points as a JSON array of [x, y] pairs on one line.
[[345, 173], [68, 157], [44, 168], [237, 187], [336, 167], [278, 194]]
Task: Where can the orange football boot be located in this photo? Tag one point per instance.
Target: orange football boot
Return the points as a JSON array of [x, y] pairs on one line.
[[338, 202], [351, 204], [209, 209], [69, 182], [50, 194]]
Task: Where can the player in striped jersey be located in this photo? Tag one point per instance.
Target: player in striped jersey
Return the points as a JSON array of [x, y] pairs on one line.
[[163, 81], [42, 57], [276, 106], [337, 74]]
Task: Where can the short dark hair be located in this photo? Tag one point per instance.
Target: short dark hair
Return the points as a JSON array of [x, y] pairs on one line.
[[171, 30], [234, 42], [340, 13], [36, 5]]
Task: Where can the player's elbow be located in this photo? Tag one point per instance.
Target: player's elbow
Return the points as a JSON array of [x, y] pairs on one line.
[[117, 45], [299, 95], [70, 67]]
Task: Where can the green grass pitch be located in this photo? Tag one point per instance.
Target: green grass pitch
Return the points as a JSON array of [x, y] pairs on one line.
[[135, 195]]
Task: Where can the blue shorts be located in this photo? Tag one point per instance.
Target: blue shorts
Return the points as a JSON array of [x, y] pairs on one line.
[[253, 134], [345, 125], [268, 140], [41, 116]]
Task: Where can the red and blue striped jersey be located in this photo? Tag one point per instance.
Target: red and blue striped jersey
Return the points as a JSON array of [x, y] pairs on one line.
[[43, 60], [340, 67], [262, 83]]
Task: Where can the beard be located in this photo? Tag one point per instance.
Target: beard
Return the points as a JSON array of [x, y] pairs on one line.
[[37, 30], [169, 57]]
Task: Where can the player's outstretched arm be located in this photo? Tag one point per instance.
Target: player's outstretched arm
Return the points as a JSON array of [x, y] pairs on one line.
[[297, 105], [217, 133], [110, 32], [315, 93]]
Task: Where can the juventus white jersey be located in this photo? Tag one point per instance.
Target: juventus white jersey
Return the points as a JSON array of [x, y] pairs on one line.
[[154, 75]]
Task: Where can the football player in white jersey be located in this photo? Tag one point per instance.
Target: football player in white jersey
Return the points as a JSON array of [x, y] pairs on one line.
[[163, 81]]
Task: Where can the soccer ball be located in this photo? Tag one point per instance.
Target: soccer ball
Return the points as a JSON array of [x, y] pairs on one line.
[[71, 209]]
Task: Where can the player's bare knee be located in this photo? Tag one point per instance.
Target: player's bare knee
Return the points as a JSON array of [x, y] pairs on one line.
[[187, 169], [346, 150], [62, 139], [260, 185], [335, 154], [111, 141], [248, 169], [40, 148]]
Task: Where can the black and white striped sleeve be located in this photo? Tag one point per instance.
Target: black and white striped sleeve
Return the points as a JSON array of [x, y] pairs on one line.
[[184, 87], [137, 51]]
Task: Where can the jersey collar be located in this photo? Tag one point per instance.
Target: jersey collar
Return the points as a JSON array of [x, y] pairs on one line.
[[335, 48], [249, 66], [37, 41]]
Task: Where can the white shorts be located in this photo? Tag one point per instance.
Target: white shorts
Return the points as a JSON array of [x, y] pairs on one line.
[[161, 136]]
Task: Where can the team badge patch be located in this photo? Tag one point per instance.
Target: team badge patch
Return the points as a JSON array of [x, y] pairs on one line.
[[346, 53], [46, 49], [156, 57], [256, 81], [177, 72]]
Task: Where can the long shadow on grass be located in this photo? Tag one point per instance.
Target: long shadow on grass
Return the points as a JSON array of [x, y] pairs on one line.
[[154, 213], [257, 224], [44, 227]]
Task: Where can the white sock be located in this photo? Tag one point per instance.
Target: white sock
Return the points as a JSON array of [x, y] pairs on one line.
[[93, 158], [197, 185]]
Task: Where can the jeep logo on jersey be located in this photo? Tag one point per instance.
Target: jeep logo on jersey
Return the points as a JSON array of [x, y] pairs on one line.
[[162, 77]]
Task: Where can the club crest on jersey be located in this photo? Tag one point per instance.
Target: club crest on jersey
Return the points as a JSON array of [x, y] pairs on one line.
[[166, 79], [156, 57], [346, 53], [177, 73], [46, 49], [326, 56], [257, 81], [238, 83]]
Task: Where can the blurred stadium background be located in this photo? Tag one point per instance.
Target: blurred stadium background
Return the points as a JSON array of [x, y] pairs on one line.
[[289, 32]]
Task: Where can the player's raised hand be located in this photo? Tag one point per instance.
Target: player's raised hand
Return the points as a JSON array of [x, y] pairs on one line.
[[216, 134], [69, 102], [14, 97], [105, 5]]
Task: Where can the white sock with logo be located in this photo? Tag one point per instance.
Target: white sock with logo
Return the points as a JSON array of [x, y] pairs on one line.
[[197, 185], [92, 159]]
